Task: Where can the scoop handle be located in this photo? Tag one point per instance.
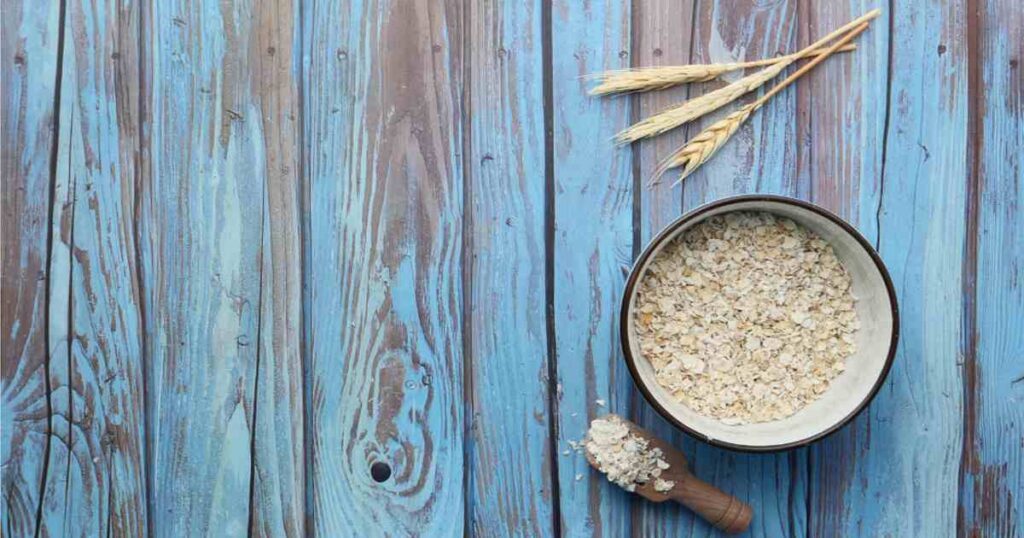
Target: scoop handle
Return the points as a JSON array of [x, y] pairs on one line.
[[714, 505]]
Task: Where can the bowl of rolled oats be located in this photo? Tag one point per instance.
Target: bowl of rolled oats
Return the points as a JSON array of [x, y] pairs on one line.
[[759, 322]]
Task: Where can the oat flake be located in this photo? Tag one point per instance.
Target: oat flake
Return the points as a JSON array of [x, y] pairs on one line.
[[746, 317]]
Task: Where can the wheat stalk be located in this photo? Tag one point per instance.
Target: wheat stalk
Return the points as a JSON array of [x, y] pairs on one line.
[[703, 146], [709, 102], [646, 79]]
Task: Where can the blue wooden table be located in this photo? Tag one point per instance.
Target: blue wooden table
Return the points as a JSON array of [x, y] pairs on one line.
[[303, 267]]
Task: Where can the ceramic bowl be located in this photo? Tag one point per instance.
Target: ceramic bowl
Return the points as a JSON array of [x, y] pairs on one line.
[[848, 394]]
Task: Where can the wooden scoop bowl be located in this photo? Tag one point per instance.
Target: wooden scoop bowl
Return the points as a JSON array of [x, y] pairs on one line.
[[714, 505]]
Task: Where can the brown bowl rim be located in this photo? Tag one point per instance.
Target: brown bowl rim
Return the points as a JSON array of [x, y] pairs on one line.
[[634, 277]]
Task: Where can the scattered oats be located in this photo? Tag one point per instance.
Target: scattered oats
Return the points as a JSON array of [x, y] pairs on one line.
[[747, 317], [579, 477], [565, 452], [625, 457], [600, 402], [576, 446]]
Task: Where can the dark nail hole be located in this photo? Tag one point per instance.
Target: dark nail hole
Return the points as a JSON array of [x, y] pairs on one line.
[[380, 471]]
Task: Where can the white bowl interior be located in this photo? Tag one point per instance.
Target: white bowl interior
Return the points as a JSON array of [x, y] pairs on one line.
[[847, 391]]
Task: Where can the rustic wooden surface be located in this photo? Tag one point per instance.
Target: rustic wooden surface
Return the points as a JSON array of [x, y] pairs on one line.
[[252, 250]]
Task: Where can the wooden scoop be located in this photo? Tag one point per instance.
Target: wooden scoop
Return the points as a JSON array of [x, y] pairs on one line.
[[714, 505]]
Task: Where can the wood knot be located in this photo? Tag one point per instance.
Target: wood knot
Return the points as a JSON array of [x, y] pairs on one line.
[[380, 471]]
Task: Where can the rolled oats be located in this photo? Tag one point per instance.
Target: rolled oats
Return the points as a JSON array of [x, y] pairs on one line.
[[746, 317], [625, 458]]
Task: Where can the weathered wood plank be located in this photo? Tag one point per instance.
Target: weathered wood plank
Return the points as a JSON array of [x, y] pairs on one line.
[[382, 110], [593, 245], [217, 212], [201, 259], [992, 489], [663, 32], [893, 162], [510, 449], [277, 484], [845, 104], [96, 483], [662, 35], [28, 75], [762, 157]]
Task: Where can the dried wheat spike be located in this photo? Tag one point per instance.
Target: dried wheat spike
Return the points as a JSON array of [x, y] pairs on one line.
[[645, 79], [698, 150]]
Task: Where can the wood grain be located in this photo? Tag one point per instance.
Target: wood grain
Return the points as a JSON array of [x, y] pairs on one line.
[[992, 475], [663, 34], [29, 70], [509, 448], [217, 209], [761, 157], [383, 140], [592, 248], [897, 173], [252, 248], [96, 485], [278, 475], [845, 102]]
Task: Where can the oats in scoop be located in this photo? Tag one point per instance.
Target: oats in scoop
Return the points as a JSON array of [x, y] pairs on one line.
[[625, 458]]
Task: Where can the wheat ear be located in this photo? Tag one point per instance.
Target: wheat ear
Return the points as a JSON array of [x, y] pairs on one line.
[[711, 101], [703, 146], [698, 150], [645, 79]]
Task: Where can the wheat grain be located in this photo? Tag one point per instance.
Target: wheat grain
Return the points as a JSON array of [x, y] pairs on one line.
[[646, 79], [703, 146]]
